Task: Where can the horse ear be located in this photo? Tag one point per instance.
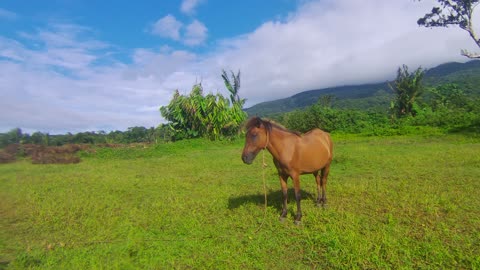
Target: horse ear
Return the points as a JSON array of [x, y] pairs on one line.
[[258, 121]]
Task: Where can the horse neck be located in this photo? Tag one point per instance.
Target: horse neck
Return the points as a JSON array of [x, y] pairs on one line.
[[277, 139]]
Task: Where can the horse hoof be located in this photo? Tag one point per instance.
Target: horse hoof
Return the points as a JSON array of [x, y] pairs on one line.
[[298, 222], [321, 204], [282, 219]]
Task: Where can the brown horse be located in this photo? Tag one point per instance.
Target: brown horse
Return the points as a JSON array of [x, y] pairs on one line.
[[293, 155]]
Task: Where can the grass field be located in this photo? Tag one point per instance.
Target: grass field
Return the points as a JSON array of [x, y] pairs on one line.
[[395, 202]]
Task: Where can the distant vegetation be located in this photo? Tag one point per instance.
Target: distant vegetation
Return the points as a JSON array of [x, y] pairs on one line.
[[413, 108], [449, 101], [131, 135]]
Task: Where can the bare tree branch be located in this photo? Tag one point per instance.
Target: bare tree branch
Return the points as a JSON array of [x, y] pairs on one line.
[[454, 12]]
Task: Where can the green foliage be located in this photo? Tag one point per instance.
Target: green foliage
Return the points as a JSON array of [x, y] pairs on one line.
[[449, 96], [445, 108], [37, 138], [335, 120], [13, 136], [449, 106], [407, 87], [198, 115], [444, 118], [132, 135]]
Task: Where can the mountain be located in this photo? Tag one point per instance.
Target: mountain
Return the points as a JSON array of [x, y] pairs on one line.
[[374, 96]]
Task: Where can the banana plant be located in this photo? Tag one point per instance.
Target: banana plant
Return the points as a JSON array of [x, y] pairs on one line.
[[212, 116]]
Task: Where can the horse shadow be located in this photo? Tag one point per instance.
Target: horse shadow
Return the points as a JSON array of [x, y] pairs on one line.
[[274, 198]]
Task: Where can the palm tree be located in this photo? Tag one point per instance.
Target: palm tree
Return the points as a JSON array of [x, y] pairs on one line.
[[233, 88]]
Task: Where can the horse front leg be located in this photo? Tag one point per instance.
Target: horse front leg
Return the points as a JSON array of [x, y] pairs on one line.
[[298, 198], [283, 183]]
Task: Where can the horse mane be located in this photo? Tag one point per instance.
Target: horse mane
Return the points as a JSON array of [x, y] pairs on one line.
[[268, 124]]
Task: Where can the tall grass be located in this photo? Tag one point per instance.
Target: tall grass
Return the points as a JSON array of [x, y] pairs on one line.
[[397, 202]]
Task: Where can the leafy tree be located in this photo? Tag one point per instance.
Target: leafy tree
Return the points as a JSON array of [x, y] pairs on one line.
[[197, 115], [115, 137], [407, 87], [164, 133], [448, 96], [185, 113], [13, 136], [454, 12], [37, 138], [326, 100], [136, 134]]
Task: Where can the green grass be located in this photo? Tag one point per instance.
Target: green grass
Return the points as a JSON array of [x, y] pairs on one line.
[[396, 202]]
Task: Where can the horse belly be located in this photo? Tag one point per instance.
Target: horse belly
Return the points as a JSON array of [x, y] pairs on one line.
[[308, 165], [314, 157]]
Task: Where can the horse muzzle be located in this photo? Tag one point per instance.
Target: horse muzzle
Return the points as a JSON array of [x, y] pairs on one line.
[[248, 158]]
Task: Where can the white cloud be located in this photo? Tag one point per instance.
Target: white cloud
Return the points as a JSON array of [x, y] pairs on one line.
[[328, 43], [195, 33], [61, 46], [168, 27], [61, 87], [188, 6], [192, 34]]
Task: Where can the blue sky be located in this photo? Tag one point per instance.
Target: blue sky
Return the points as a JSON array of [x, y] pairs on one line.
[[128, 24], [72, 65]]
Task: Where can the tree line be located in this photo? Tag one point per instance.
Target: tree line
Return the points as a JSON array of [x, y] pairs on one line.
[[446, 107], [131, 135]]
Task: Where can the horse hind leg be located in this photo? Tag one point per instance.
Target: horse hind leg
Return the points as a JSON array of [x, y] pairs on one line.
[[319, 188], [323, 183]]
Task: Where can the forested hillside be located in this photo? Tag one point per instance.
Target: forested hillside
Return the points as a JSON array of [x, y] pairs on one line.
[[376, 96]]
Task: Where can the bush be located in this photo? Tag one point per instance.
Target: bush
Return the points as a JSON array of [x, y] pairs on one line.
[[336, 120], [6, 157], [199, 115]]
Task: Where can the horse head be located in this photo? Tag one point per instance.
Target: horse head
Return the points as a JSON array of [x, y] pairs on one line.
[[256, 138]]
